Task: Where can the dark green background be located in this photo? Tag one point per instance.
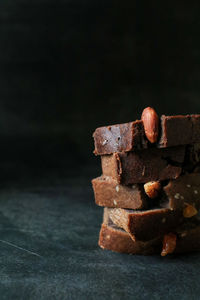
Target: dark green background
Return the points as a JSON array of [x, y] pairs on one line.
[[67, 67]]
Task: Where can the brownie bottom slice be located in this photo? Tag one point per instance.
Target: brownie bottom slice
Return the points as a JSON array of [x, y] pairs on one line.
[[116, 239]]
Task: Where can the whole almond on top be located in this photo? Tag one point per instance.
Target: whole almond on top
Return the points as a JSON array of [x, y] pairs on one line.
[[152, 189], [151, 124]]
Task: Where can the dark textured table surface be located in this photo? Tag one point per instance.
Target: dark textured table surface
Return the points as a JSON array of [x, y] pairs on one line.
[[49, 229]]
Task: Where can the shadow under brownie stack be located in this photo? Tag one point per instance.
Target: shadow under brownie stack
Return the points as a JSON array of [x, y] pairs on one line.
[[150, 184]]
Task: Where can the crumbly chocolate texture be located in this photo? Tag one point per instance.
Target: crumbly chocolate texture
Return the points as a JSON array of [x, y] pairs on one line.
[[145, 165], [174, 131], [145, 225], [109, 193], [116, 239], [182, 191]]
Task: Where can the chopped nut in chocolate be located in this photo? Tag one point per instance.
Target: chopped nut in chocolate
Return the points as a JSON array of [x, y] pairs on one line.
[[152, 189], [189, 211], [169, 244]]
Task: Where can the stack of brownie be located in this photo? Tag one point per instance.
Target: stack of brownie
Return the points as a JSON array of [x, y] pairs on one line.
[[150, 184]]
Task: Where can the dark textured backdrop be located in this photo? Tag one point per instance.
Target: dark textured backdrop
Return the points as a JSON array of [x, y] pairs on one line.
[[67, 67]]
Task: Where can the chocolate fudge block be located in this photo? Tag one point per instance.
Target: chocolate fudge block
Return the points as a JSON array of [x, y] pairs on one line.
[[120, 137], [145, 165], [116, 239], [109, 193], [182, 191], [175, 195], [179, 130], [145, 225], [174, 131]]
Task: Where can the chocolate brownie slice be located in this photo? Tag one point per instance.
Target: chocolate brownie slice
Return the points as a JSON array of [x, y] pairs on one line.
[[179, 130], [108, 192], [145, 225], [116, 239], [145, 165], [120, 137], [174, 131], [176, 194]]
